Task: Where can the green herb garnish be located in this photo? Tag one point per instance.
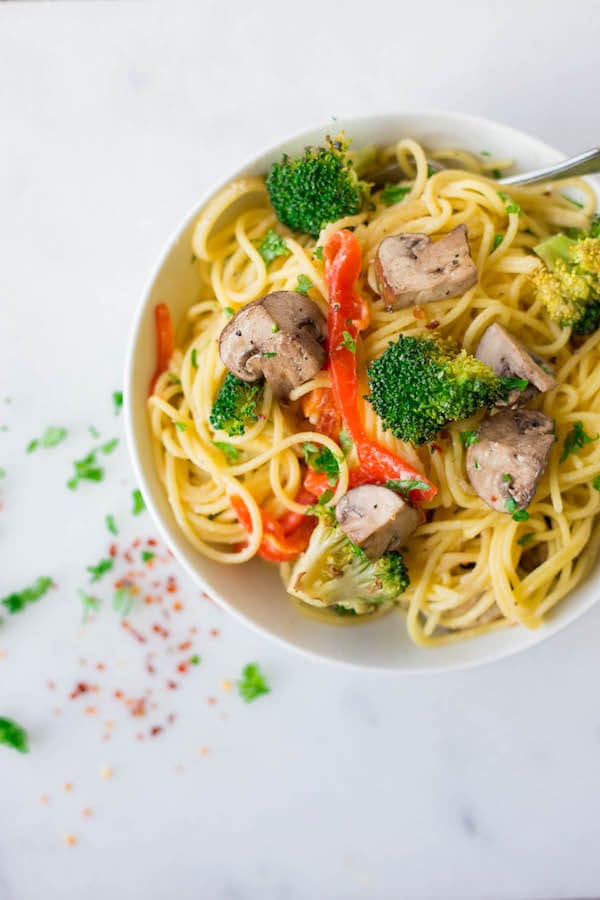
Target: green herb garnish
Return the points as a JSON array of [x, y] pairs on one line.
[[596, 483], [272, 246], [521, 515], [321, 459], [86, 469], [318, 252], [229, 312], [575, 440], [269, 355], [406, 485], [147, 555], [90, 604], [348, 342], [303, 284], [194, 358], [525, 538], [138, 502], [511, 206], [111, 524], [229, 451], [468, 438], [50, 438], [17, 602], [498, 238], [346, 442], [393, 193], [100, 569], [13, 735], [252, 684], [181, 426], [117, 399]]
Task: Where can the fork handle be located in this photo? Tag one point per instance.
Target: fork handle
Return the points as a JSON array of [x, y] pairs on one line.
[[587, 163]]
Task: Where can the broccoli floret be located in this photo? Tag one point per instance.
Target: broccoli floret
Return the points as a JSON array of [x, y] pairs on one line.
[[420, 384], [236, 405], [569, 286], [308, 192], [334, 572]]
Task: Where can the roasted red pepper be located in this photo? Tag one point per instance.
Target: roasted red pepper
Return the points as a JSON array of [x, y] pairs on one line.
[[283, 539], [348, 316], [165, 341]]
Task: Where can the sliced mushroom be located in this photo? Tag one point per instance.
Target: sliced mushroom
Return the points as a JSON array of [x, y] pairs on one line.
[[411, 268], [376, 519], [507, 356], [276, 337], [509, 457]]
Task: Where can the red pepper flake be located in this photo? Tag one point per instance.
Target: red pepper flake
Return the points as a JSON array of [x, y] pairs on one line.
[[493, 498], [118, 695], [134, 632], [161, 630], [171, 585], [100, 666], [82, 688], [138, 707], [178, 606], [193, 630], [418, 312], [91, 710], [437, 447], [148, 599], [51, 685], [433, 324], [185, 645], [171, 718], [211, 700], [129, 557], [182, 667], [214, 632], [136, 543], [150, 669], [155, 730], [152, 542], [86, 813], [113, 550], [172, 685], [68, 786]]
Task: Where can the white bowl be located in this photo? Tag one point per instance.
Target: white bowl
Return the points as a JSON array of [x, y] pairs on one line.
[[253, 592]]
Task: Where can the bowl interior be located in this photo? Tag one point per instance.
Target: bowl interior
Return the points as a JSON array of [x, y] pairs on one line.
[[254, 591]]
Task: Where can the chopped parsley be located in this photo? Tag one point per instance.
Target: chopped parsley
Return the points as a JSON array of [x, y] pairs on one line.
[[2, 473], [317, 508], [252, 684], [194, 357], [148, 555], [468, 438], [511, 383], [138, 502], [109, 446], [348, 342], [117, 399], [498, 174], [173, 379], [272, 246], [520, 515], [393, 193], [90, 604], [274, 328], [94, 432], [525, 538], [229, 312], [511, 505], [406, 485], [86, 469], [111, 524], [346, 442], [100, 569], [194, 660], [17, 602], [321, 459], [575, 440], [596, 483], [343, 610], [231, 453], [318, 252], [304, 284], [269, 355], [498, 238], [431, 171], [123, 599], [506, 477], [13, 735], [572, 200], [511, 206], [50, 438], [484, 153], [181, 426]]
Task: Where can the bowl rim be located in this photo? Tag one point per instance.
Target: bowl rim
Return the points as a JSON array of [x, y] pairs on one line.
[[547, 630]]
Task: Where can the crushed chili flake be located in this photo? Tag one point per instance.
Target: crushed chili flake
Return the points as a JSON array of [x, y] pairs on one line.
[[91, 710], [211, 700], [437, 447], [148, 599], [182, 667], [155, 730], [86, 813], [185, 645], [171, 718], [118, 695], [172, 685], [51, 685], [138, 707], [171, 585], [178, 606], [68, 786], [214, 632], [152, 542], [113, 550], [82, 688], [203, 751], [70, 840]]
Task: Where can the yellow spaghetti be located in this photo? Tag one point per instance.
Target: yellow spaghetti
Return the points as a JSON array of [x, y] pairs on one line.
[[471, 568]]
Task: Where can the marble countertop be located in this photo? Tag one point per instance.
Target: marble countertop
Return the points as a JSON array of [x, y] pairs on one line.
[[113, 118]]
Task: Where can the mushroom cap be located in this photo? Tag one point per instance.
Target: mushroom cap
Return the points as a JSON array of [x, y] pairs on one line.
[[507, 356], [376, 518], [509, 457], [411, 268], [276, 337]]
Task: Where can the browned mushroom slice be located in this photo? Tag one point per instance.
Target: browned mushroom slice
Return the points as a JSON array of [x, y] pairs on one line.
[[507, 356], [506, 462], [277, 336], [411, 268], [376, 519]]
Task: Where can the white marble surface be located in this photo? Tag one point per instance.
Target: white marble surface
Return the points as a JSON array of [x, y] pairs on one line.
[[113, 118]]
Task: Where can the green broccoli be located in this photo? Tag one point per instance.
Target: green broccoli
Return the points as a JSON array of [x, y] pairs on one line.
[[308, 192], [420, 384], [334, 572], [236, 405], [569, 286]]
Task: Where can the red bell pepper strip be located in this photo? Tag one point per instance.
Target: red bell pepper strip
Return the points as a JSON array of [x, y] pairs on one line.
[[279, 543], [165, 341], [348, 316]]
